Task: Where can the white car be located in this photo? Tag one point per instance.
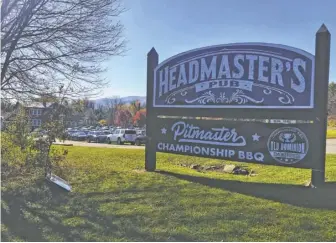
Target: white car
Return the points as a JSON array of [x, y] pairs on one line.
[[121, 136]]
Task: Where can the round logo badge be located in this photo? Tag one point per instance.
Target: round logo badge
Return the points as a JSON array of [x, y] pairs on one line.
[[288, 145]]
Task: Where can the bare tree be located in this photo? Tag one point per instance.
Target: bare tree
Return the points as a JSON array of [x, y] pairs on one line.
[[113, 104], [57, 43]]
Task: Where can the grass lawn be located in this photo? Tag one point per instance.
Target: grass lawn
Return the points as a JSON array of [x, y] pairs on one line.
[[331, 132], [113, 199]]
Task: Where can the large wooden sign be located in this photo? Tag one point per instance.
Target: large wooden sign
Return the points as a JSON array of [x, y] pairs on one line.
[[250, 102]]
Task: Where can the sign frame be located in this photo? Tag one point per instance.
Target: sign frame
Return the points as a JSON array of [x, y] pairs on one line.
[[316, 114]]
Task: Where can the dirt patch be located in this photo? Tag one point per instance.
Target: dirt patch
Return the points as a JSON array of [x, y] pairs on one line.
[[231, 169], [140, 171]]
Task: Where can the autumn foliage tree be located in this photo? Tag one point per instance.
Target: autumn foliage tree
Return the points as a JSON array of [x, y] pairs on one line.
[[134, 107], [139, 118], [103, 122], [123, 118]]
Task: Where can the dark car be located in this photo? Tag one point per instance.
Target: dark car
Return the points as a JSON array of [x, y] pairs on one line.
[[141, 139], [80, 136], [102, 137], [71, 134], [97, 136], [92, 136]]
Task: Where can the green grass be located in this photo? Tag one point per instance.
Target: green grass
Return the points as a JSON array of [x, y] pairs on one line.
[[113, 199], [331, 133]]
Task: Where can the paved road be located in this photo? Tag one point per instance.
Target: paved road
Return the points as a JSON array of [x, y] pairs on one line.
[[331, 145]]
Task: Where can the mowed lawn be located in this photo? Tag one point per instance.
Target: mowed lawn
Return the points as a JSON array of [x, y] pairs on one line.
[[331, 132], [114, 199]]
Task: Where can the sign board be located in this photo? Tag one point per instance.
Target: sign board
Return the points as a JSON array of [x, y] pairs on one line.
[[59, 181], [274, 144], [191, 95], [244, 75]]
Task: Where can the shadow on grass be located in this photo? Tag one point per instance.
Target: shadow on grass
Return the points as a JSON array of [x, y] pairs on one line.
[[317, 198], [37, 213]]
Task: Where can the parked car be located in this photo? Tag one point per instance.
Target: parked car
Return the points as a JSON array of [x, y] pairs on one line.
[[140, 132], [79, 136], [141, 139], [121, 136], [102, 137], [70, 134], [92, 136], [98, 136]]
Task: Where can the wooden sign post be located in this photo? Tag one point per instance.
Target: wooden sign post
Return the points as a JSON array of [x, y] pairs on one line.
[[322, 62], [249, 102], [150, 151]]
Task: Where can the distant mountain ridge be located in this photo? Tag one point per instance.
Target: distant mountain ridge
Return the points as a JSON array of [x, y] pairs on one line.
[[125, 100]]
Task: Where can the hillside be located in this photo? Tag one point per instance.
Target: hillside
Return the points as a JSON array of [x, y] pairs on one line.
[[126, 100]]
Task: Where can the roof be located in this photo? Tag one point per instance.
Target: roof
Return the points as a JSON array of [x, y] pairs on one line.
[[38, 105]]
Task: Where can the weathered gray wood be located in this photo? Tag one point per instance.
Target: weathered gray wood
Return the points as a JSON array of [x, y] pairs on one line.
[[322, 62], [150, 151]]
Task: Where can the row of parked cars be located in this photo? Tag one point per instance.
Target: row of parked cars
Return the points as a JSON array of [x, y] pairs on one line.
[[108, 135]]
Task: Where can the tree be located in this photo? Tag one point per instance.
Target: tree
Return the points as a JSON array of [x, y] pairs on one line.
[[140, 118], [100, 113], [6, 106], [36, 152], [102, 122], [123, 118], [16, 145], [113, 104], [53, 43], [20, 128], [135, 106], [331, 98]]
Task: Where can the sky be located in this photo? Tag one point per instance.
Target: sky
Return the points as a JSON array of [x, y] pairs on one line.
[[174, 26]]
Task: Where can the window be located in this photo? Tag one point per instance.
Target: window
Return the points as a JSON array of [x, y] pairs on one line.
[[117, 131], [35, 112], [130, 132], [36, 122]]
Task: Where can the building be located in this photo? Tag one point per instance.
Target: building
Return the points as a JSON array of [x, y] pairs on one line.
[[40, 112]]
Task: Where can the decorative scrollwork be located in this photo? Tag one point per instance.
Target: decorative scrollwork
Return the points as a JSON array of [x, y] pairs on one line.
[[184, 93], [285, 97], [172, 97], [207, 97], [222, 98], [237, 97], [240, 98]]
